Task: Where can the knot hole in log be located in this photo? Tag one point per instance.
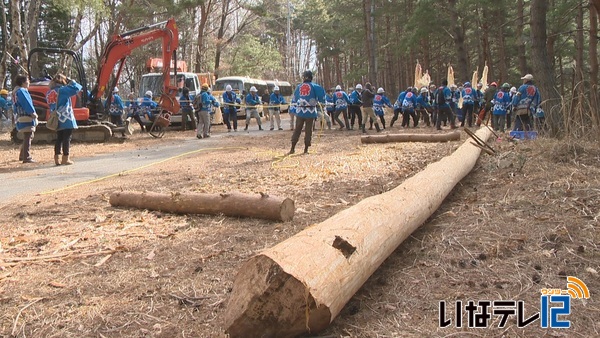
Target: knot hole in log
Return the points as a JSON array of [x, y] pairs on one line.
[[346, 248]]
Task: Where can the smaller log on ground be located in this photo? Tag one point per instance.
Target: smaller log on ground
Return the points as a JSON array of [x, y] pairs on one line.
[[229, 204], [455, 136]]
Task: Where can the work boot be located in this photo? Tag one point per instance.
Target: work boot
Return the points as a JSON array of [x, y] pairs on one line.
[[377, 127], [293, 149], [57, 159], [306, 149], [246, 128], [362, 127], [66, 160]]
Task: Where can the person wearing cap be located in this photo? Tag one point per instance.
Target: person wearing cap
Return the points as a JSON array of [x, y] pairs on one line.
[[488, 96], [423, 105], [275, 102], [526, 101], [203, 104], [511, 108], [4, 103], [264, 99], [230, 104], [147, 106], [252, 103], [26, 117], [115, 108], [408, 108], [354, 107], [59, 100], [501, 103], [469, 98], [341, 102], [308, 96], [379, 103], [187, 109], [479, 102]]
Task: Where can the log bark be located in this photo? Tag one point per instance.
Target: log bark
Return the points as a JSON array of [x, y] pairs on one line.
[[455, 136], [229, 204], [300, 285]]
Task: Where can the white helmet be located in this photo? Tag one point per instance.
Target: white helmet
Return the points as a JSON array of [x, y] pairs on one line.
[[148, 93], [338, 87], [380, 91], [228, 88], [115, 90], [513, 90], [275, 89], [253, 89], [424, 90], [359, 86]]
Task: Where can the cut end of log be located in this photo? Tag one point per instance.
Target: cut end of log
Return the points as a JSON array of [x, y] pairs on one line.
[[287, 210], [265, 300]]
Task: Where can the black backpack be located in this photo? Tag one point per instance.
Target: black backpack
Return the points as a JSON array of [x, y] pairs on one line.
[[440, 99]]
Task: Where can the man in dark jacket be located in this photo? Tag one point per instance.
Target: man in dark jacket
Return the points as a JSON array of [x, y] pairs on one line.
[[367, 107]]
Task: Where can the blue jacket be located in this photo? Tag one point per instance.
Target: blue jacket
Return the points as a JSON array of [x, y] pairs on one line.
[[410, 102], [23, 105], [308, 95], [423, 101], [252, 101], [229, 101], [276, 99], [59, 99], [208, 101], [116, 105], [341, 100], [447, 96], [147, 105], [330, 103], [469, 96], [501, 102], [527, 96], [3, 104], [355, 98], [379, 102], [399, 100]]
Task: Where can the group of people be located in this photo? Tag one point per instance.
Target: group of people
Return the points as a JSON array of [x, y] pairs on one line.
[[436, 106]]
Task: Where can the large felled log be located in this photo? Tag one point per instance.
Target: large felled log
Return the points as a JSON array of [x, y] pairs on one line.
[[445, 137], [230, 204], [301, 284]]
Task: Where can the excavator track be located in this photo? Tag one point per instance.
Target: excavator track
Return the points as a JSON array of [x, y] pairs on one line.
[[95, 133]]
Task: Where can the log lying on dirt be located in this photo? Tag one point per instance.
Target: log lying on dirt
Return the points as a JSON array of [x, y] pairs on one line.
[[387, 138], [230, 204], [300, 285]]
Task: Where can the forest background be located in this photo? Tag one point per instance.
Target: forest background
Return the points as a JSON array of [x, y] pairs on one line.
[[344, 42]]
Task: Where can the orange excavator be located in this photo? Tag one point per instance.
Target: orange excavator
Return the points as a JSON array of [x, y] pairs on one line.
[[88, 107]]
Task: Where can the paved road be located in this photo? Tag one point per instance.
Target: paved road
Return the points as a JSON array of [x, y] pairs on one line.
[[38, 179]]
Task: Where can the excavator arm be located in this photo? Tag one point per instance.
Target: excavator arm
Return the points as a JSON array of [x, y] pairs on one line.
[[120, 47]]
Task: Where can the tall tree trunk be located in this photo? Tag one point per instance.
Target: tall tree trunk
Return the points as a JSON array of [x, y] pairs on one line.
[[205, 8], [542, 66], [17, 45], [502, 66], [368, 9], [593, 51], [579, 44], [485, 45], [3, 59], [521, 52], [459, 41], [220, 35]]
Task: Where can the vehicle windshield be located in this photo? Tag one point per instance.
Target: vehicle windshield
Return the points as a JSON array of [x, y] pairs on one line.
[[154, 83], [221, 84]]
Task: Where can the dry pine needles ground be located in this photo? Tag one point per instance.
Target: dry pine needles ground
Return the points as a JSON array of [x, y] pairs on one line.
[[522, 220]]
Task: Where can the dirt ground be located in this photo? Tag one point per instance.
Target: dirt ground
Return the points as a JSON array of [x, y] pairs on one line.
[[71, 265]]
